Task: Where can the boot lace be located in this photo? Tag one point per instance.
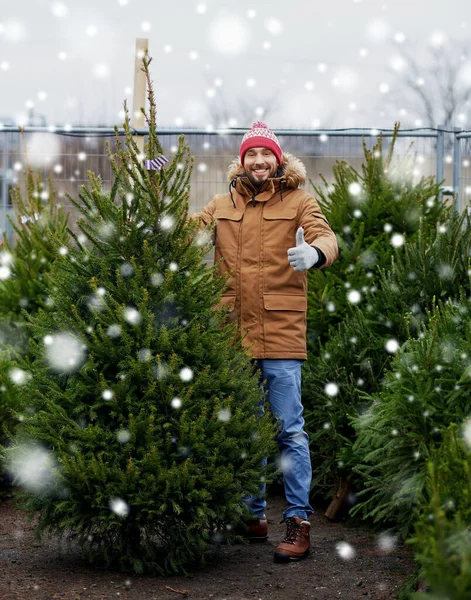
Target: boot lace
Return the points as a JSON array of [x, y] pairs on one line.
[[293, 531]]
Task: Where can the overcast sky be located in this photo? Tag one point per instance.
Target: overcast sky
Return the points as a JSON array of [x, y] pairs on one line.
[[309, 63]]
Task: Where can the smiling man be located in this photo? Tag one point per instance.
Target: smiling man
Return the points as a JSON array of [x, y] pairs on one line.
[[269, 232]]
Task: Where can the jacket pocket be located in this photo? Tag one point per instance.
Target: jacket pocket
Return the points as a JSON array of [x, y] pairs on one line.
[[273, 214], [227, 213], [279, 228], [284, 323], [228, 223], [295, 302]]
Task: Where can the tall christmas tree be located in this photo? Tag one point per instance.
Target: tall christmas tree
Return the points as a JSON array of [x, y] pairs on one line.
[[426, 390], [350, 370], [23, 264], [370, 211], [384, 219], [146, 431]]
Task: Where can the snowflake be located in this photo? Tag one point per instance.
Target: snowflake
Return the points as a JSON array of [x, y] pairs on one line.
[[186, 374], [132, 316], [273, 25], [33, 467], [354, 296], [354, 189], [224, 415], [19, 376], [119, 507], [123, 436], [386, 542], [126, 270], [113, 331], [345, 550], [176, 403], [467, 432], [65, 352], [5, 272], [392, 346], [228, 34], [331, 389], [397, 240], [285, 463]]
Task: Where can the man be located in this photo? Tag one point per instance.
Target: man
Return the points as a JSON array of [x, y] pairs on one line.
[[269, 232]]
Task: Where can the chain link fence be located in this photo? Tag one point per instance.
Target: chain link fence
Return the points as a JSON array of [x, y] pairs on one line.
[[67, 155], [462, 170]]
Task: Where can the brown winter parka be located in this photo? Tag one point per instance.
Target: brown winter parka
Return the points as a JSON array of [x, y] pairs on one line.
[[253, 231]]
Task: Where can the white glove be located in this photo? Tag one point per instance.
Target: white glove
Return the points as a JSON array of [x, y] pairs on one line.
[[303, 256]]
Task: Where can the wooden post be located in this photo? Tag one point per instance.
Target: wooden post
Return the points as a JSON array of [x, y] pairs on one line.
[[139, 92]]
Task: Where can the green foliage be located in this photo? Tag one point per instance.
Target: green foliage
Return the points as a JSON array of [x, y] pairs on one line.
[[366, 209], [39, 226], [426, 390], [356, 356], [347, 340], [143, 402], [442, 540]]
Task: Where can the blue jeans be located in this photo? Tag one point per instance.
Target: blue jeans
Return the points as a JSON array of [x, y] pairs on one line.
[[283, 383]]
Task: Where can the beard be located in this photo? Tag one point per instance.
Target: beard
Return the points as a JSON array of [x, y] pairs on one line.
[[257, 182]]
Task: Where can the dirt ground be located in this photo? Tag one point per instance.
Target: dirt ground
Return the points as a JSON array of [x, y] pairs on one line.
[[37, 571]]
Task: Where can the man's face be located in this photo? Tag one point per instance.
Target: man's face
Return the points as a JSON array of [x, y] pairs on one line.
[[260, 164]]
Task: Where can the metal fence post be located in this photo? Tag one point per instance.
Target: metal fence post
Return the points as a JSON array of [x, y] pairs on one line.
[[4, 185], [440, 171], [457, 168]]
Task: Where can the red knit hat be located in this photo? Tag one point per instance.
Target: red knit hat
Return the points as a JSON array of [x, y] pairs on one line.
[[260, 136]]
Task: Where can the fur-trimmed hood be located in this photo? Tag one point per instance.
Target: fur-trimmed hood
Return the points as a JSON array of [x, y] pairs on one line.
[[293, 171]]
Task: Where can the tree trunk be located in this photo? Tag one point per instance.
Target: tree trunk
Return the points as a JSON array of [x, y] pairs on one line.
[[335, 510]]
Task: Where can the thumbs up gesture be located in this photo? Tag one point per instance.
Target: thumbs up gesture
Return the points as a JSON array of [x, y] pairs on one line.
[[302, 256]]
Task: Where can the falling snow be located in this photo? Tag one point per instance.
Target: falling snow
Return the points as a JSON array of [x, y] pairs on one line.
[[65, 352], [354, 296], [397, 240], [126, 270], [132, 315], [33, 467], [176, 403], [6, 262], [114, 331], [119, 507], [123, 436], [18, 376], [467, 432], [186, 374], [392, 346], [345, 550], [354, 189], [228, 35], [224, 415], [331, 389]]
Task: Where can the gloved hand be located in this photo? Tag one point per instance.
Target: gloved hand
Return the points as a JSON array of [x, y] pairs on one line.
[[303, 256]]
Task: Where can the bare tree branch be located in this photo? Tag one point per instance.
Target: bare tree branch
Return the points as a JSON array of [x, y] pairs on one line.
[[444, 92]]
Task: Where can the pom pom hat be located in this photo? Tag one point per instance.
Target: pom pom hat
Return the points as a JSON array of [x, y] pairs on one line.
[[260, 137]]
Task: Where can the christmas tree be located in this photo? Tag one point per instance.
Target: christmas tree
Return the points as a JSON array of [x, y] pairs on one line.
[[426, 390], [442, 539], [23, 291], [353, 362], [146, 432], [370, 212], [391, 247]]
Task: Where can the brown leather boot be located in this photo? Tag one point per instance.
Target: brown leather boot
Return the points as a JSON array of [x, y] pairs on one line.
[[296, 543], [255, 530]]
